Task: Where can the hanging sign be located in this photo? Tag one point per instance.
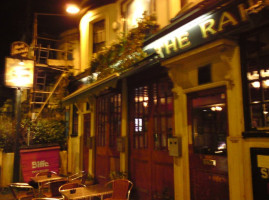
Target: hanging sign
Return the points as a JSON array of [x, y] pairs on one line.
[[19, 49], [19, 73]]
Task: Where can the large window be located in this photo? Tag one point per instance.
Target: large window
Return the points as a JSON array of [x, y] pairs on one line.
[[99, 37], [152, 112], [256, 58]]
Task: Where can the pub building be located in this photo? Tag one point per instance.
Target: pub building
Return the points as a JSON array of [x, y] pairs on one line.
[[188, 122]]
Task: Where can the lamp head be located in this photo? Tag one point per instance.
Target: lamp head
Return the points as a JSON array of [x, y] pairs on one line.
[[72, 8]]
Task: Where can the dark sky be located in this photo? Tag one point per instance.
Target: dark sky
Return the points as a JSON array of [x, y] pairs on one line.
[[17, 24]]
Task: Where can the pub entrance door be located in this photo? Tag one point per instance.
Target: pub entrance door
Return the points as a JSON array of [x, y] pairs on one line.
[[207, 117], [151, 124]]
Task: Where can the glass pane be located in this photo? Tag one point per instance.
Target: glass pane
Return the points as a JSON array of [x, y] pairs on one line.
[[255, 91], [256, 116], [209, 122]]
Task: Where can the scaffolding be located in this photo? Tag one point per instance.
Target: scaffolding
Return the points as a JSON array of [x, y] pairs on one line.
[[53, 61]]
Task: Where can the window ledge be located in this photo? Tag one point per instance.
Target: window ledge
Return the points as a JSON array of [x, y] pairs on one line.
[[255, 133]]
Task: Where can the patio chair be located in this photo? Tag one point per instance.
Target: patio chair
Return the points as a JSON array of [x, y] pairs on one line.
[[44, 185], [79, 177], [46, 173], [22, 191], [69, 186], [121, 189], [45, 198], [52, 189]]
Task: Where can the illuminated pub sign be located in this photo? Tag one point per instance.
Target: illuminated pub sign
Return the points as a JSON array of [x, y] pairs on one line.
[[200, 30], [19, 73]]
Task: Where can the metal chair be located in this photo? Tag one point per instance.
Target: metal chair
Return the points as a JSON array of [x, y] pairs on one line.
[[52, 189], [22, 191], [44, 185], [45, 198], [69, 186], [121, 189], [79, 177], [46, 173]]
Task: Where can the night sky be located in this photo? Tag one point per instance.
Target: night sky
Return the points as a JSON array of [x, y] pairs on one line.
[[17, 25]]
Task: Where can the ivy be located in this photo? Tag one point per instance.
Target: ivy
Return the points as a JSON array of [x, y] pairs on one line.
[[122, 54]]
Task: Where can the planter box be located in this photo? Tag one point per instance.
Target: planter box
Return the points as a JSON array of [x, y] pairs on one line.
[[63, 162], [7, 169]]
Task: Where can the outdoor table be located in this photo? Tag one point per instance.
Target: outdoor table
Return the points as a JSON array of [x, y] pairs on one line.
[[97, 190], [43, 179]]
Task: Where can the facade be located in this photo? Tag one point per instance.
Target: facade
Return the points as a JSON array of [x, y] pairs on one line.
[[190, 123]]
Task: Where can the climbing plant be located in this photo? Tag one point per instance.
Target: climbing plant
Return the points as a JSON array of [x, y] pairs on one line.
[[126, 51]]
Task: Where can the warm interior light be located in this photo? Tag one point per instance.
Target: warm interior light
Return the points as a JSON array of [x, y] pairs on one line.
[[255, 84], [72, 8]]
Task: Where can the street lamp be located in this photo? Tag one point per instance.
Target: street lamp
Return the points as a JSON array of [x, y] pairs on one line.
[[72, 8]]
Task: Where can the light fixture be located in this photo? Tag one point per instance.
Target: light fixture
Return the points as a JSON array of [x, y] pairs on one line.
[[72, 8]]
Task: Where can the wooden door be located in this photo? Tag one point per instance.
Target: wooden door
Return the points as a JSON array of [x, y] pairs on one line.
[[108, 128], [151, 123], [86, 137], [207, 117]]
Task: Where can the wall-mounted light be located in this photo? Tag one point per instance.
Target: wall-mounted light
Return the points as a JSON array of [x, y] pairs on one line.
[[72, 8]]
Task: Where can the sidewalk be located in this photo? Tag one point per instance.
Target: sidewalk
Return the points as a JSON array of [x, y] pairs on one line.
[[5, 194]]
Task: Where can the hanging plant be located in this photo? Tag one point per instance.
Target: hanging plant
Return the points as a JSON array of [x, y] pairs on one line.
[[126, 51]]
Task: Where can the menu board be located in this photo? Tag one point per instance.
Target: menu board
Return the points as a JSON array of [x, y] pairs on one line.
[[260, 173]]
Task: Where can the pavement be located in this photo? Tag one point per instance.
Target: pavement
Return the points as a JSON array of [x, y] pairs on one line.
[[5, 194]]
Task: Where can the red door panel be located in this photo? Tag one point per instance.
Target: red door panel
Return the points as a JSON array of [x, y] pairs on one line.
[[151, 124]]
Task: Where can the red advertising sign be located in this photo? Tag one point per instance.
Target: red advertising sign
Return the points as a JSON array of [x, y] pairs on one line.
[[39, 160]]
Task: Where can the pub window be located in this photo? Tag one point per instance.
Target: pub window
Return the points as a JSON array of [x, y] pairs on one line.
[[256, 66], [152, 114], [75, 122], [99, 36], [108, 119]]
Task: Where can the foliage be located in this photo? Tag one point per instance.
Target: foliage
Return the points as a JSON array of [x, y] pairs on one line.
[[126, 51], [46, 131], [7, 133]]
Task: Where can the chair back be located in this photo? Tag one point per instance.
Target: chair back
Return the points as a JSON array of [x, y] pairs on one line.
[[79, 177], [69, 186], [47, 173], [54, 188], [22, 191], [121, 188], [45, 198]]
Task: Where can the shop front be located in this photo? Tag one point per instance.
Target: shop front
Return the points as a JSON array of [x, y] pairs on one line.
[[204, 57]]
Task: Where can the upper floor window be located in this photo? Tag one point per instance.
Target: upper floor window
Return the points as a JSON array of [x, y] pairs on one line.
[[99, 36], [135, 11], [256, 58]]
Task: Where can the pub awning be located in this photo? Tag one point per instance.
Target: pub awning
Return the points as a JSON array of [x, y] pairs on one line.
[[92, 89], [83, 93]]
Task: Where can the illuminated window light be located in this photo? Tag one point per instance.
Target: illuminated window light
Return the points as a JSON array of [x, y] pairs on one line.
[[266, 83], [256, 84], [264, 73], [253, 76]]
